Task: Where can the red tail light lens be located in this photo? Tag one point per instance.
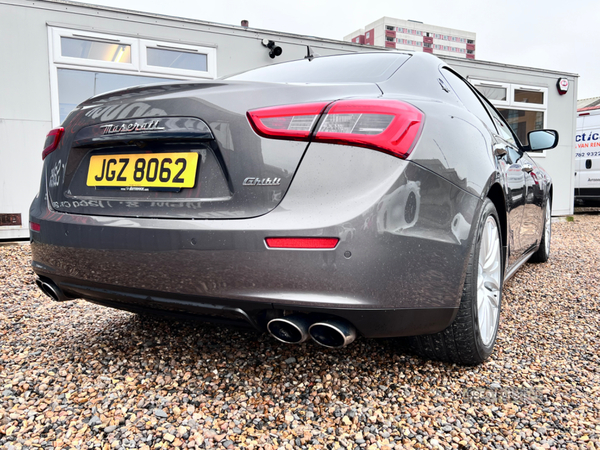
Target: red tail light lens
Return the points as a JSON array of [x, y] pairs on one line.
[[297, 242], [388, 125], [52, 141], [34, 226], [391, 126], [293, 122]]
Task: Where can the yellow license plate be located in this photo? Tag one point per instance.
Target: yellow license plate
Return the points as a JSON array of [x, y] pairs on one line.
[[158, 170]]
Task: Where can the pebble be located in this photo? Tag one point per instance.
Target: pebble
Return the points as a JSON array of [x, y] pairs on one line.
[[94, 421], [76, 375], [160, 413]]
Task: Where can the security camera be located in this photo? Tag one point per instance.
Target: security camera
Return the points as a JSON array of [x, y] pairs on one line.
[[274, 50]]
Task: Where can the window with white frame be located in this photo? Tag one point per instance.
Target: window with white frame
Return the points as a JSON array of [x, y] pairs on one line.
[[523, 107], [84, 64]]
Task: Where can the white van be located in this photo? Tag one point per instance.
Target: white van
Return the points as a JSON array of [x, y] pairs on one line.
[[587, 157]]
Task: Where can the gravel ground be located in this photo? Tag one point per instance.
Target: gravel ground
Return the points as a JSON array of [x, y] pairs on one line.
[[79, 376]]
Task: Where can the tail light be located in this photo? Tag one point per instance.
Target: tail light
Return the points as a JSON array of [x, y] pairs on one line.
[[286, 122], [52, 140], [302, 242], [390, 126]]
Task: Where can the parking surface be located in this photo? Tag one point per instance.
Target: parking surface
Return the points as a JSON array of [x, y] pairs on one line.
[[76, 375]]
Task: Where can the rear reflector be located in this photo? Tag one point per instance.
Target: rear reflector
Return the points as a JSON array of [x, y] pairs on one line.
[[33, 226], [391, 126], [298, 242], [52, 141]]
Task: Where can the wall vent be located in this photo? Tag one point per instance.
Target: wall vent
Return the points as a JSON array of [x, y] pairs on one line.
[[10, 220]]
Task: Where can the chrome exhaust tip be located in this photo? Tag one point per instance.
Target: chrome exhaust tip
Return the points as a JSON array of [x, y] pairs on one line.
[[291, 329], [51, 290], [334, 333]]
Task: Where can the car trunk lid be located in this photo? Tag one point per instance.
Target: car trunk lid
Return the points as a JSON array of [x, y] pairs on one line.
[[180, 150]]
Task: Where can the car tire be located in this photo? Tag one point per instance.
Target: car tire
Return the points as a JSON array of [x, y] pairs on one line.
[[543, 253], [471, 337]]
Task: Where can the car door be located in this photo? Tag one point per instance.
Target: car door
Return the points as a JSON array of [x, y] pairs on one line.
[[521, 222], [533, 217], [514, 182], [526, 184]]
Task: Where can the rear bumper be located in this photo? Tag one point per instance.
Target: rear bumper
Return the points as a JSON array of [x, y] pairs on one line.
[[397, 270], [371, 323]]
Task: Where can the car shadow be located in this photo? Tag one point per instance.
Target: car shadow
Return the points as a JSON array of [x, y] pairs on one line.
[[130, 344]]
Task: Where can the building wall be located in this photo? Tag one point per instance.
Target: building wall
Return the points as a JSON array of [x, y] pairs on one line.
[[25, 115]]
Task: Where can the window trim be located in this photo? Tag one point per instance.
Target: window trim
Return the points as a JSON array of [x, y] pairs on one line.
[[493, 84], [511, 104], [211, 58], [510, 94], [56, 46], [138, 65], [525, 105]]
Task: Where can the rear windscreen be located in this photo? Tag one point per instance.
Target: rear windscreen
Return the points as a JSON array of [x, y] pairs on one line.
[[351, 68]]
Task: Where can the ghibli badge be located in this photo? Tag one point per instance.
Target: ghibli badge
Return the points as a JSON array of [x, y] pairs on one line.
[[251, 181]]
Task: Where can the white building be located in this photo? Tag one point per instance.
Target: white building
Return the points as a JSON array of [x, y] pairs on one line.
[[59, 53], [416, 36]]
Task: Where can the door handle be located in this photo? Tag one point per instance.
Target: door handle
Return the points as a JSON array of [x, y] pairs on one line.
[[527, 168]]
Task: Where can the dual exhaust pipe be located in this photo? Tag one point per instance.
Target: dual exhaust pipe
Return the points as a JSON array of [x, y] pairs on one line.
[[49, 288], [296, 328]]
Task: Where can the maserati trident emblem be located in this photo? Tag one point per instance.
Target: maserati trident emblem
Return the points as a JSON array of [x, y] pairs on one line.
[[131, 127], [251, 181]]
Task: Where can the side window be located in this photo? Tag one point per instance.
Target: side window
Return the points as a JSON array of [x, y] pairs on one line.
[[503, 129], [468, 97]]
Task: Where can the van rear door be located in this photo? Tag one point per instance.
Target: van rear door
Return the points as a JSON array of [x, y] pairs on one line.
[[587, 157]]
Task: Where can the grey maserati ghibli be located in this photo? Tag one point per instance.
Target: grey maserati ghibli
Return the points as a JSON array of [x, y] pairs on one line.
[[374, 194]]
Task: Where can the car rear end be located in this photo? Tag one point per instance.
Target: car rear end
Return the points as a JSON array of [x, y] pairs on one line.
[[248, 202]]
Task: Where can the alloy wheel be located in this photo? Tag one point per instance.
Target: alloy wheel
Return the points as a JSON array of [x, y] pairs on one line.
[[488, 281], [547, 227]]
